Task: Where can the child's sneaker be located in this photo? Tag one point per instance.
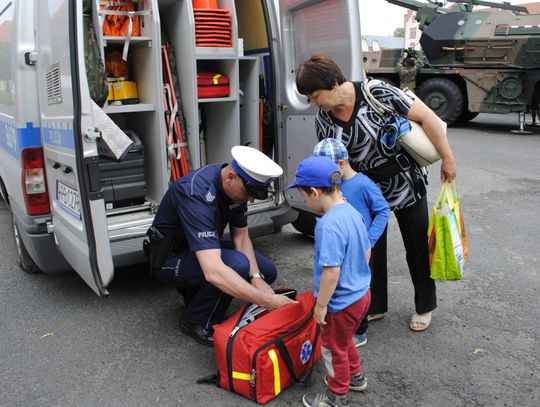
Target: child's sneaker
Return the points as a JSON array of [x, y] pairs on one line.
[[326, 399], [358, 382], [359, 340]]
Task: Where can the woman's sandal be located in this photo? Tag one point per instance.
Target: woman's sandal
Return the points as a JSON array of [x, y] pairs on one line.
[[420, 322]]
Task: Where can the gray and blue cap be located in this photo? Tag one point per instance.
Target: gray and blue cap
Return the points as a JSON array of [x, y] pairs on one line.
[[331, 148]]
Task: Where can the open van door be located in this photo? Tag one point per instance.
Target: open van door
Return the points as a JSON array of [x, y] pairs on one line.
[[69, 143], [307, 27]]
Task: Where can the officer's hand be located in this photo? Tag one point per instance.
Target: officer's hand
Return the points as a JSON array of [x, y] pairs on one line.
[[262, 285], [276, 301]]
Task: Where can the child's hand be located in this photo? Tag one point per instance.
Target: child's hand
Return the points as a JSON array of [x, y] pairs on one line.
[[320, 314]]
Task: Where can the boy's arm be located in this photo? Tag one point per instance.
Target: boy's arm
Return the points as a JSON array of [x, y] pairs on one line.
[[329, 279], [379, 209]]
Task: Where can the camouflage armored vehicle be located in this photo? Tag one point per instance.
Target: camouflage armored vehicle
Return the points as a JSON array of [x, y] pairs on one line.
[[473, 60]]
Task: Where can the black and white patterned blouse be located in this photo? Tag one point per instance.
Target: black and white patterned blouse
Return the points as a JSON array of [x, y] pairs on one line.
[[361, 134]]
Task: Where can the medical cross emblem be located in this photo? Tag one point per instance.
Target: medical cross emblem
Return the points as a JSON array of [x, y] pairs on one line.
[[305, 352]]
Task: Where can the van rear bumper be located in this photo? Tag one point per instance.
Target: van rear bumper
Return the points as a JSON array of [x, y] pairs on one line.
[[39, 244], [129, 252]]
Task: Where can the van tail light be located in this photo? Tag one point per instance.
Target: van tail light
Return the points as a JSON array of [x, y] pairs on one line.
[[34, 183]]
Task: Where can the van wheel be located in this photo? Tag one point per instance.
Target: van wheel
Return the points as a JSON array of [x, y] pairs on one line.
[[23, 258], [444, 97], [305, 224]]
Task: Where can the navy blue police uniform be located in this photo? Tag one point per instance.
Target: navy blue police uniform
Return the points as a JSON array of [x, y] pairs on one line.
[[195, 212]]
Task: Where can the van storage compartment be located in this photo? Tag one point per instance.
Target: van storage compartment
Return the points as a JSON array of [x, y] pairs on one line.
[[123, 182]]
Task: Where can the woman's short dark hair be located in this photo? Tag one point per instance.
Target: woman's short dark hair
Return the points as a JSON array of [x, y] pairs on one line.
[[318, 72]]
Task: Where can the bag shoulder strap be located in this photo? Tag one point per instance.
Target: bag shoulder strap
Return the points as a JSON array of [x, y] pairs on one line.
[[372, 101]]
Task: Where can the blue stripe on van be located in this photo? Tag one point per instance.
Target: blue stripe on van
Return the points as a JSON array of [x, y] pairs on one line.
[[59, 137], [29, 136], [13, 139]]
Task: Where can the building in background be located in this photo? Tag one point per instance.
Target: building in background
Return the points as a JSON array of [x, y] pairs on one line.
[[411, 31]]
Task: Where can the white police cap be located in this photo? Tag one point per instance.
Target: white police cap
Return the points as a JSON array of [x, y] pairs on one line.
[[254, 164]]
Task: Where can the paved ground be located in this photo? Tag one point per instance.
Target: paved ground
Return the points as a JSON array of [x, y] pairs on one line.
[[60, 345]]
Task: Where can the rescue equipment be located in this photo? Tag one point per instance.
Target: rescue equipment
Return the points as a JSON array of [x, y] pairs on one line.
[[212, 27], [176, 144], [212, 85], [260, 353], [122, 181]]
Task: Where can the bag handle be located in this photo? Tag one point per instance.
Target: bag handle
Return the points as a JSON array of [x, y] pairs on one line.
[[450, 191], [372, 101]]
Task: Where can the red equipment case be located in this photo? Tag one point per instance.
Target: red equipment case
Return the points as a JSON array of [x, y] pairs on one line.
[[212, 85]]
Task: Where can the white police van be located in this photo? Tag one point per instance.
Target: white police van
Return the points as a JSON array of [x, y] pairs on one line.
[[51, 172]]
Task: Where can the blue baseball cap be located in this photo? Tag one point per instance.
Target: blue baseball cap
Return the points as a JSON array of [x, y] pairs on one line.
[[331, 148], [315, 171]]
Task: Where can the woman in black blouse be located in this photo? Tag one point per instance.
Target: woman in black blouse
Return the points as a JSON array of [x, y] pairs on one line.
[[345, 115]]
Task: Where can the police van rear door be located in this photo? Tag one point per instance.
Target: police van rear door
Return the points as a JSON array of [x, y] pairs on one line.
[[69, 144], [308, 27]]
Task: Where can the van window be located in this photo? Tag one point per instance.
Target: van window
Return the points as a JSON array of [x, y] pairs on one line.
[[6, 78]]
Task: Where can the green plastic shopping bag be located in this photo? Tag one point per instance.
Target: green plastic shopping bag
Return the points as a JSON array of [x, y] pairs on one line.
[[447, 239]]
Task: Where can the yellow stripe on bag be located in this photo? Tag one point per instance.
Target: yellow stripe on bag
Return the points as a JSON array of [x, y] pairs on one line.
[[215, 78], [277, 379], [241, 376]]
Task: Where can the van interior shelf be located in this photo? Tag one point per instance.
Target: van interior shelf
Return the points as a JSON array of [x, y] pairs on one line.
[[134, 41], [137, 107]]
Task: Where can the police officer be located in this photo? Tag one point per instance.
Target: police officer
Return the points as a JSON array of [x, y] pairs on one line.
[[186, 246]]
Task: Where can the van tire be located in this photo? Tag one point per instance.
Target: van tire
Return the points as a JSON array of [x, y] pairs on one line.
[[305, 223], [24, 260]]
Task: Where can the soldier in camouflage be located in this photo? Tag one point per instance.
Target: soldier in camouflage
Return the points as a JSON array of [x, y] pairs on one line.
[[408, 68]]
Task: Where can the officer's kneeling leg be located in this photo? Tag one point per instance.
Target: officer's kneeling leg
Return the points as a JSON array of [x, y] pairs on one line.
[[266, 267]]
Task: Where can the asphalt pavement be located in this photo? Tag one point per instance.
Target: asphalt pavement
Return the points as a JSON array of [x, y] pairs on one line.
[[61, 345]]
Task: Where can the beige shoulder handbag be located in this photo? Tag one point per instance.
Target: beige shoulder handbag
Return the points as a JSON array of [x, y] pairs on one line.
[[415, 142]]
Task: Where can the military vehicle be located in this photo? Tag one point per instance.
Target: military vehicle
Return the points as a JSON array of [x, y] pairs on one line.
[[474, 60]]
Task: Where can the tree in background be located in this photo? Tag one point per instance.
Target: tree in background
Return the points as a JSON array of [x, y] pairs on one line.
[[399, 32]]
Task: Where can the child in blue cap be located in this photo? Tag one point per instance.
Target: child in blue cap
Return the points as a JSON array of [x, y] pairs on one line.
[[341, 278], [364, 195]]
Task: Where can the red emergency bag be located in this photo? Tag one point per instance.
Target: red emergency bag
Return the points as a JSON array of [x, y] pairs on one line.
[[212, 85], [260, 353]]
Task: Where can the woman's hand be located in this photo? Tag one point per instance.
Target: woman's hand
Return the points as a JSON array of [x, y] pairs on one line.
[[448, 169]]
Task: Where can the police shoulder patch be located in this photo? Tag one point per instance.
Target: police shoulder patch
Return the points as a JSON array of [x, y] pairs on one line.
[[210, 197]]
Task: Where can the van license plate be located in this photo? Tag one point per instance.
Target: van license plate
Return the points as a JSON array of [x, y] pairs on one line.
[[68, 198]]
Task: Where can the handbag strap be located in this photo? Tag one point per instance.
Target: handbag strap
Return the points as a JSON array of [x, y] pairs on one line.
[[373, 102]]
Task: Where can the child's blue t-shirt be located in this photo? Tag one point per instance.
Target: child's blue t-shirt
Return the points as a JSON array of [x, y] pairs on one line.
[[341, 241], [364, 195]]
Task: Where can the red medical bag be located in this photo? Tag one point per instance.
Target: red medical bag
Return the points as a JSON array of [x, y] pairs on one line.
[[260, 353], [212, 85]]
